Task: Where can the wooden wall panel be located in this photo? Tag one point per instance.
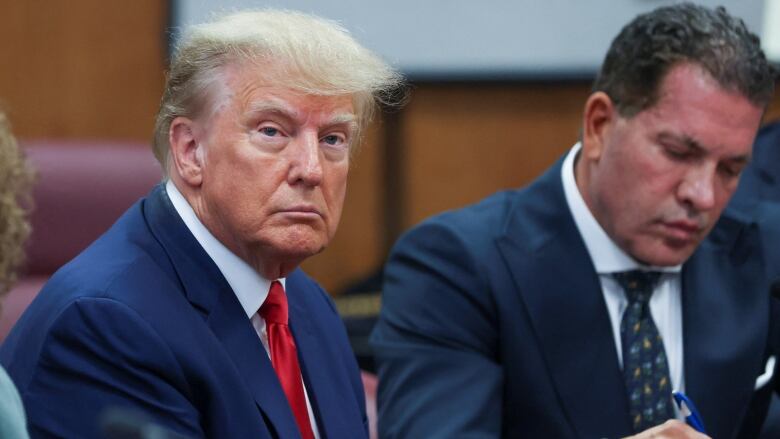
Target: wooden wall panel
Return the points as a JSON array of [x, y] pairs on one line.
[[773, 111], [465, 142], [82, 68]]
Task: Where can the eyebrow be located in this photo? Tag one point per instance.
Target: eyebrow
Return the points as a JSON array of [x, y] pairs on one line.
[[271, 107], [697, 148], [278, 108]]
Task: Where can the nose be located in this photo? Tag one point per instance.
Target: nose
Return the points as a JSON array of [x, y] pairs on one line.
[[697, 190], [305, 160]]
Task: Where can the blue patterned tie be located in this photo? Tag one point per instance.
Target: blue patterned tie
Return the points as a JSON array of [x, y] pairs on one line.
[[645, 368]]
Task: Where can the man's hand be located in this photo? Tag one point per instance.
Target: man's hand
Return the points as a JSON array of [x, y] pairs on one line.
[[672, 429]]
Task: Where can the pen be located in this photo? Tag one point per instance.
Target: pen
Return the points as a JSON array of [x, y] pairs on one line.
[[688, 410]]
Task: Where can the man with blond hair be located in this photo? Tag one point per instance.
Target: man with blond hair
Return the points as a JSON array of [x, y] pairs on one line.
[[191, 309]]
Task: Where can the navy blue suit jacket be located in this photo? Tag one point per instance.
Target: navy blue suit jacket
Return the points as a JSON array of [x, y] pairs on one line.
[[760, 179], [144, 319], [494, 325]]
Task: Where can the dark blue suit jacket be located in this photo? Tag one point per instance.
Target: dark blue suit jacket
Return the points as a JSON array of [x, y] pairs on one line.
[[494, 325], [760, 183], [760, 179], [144, 319]]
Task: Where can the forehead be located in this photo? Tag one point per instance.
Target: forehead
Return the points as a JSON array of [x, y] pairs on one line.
[[691, 103], [254, 87]]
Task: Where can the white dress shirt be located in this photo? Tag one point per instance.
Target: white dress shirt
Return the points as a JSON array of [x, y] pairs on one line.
[[608, 258], [250, 287]]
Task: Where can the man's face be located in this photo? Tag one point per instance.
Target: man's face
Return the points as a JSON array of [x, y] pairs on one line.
[[275, 165], [658, 181]]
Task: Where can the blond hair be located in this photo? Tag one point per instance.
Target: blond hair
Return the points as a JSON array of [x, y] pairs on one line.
[[303, 52], [15, 200]]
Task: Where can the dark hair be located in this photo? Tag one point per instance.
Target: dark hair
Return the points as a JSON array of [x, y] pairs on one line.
[[650, 45]]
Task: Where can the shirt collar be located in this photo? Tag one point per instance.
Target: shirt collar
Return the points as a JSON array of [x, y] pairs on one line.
[[607, 257], [249, 286]]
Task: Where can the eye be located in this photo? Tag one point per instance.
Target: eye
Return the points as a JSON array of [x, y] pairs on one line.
[[677, 153], [269, 131], [334, 139], [731, 170]]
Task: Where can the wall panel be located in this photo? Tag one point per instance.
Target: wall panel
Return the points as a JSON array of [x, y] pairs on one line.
[[465, 142], [82, 68]]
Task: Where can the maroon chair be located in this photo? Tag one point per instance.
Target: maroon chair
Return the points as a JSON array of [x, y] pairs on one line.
[[81, 189]]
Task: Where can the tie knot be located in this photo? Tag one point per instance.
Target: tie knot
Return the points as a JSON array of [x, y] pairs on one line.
[[637, 284], [274, 309]]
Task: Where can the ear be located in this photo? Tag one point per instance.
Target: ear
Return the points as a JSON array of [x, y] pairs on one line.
[[186, 151], [599, 117]]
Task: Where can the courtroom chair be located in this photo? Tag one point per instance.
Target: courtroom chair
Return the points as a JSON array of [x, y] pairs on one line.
[[80, 189]]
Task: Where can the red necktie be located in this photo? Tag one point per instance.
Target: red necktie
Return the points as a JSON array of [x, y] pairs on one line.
[[284, 356]]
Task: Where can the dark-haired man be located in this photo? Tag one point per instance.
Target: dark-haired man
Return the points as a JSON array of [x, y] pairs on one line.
[[572, 308]]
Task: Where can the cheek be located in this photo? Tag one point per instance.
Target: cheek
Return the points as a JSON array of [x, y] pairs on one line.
[[638, 195], [652, 178], [244, 201]]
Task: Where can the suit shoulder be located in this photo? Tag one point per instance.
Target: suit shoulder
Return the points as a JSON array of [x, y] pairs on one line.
[[482, 219], [85, 328], [120, 278], [127, 257], [458, 244]]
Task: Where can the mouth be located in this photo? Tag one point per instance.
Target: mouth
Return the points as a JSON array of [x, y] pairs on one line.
[[303, 211], [682, 231]]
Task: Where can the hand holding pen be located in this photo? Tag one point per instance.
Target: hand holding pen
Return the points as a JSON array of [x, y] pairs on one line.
[[671, 429], [676, 429]]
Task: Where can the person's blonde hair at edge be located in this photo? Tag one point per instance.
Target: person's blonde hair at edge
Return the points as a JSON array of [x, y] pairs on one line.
[[15, 201]]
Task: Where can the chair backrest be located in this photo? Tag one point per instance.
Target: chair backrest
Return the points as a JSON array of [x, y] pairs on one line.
[[81, 188]]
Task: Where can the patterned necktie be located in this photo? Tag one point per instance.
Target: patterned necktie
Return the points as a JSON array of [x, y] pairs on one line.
[[284, 356], [645, 369]]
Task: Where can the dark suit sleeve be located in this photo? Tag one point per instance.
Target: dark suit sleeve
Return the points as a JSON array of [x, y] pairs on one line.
[[436, 341], [101, 354], [765, 408], [769, 224]]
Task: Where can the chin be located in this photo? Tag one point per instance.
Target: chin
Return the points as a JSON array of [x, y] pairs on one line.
[[296, 242], [662, 252], [666, 257], [301, 246]]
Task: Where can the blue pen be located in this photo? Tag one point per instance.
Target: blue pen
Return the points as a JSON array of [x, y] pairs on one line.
[[688, 410]]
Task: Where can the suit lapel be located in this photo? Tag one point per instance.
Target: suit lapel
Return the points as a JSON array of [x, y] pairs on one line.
[[725, 321], [240, 340], [556, 279], [322, 381], [209, 292]]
